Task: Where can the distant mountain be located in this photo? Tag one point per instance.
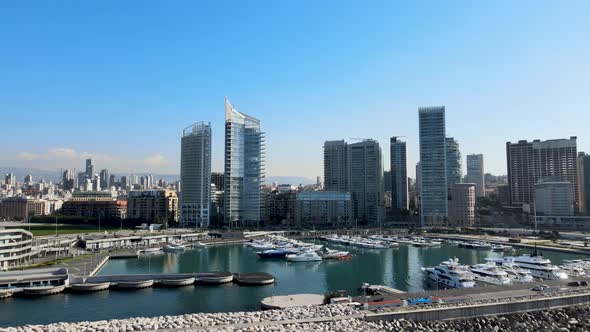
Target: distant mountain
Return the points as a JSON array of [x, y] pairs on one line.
[[37, 174], [55, 176]]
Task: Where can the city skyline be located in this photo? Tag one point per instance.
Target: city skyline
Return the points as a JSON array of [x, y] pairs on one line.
[[124, 111]]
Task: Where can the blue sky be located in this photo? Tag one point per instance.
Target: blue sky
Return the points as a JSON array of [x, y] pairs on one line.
[[119, 80]]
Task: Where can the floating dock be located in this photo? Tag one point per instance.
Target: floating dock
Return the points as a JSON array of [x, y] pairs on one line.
[[290, 301], [43, 290], [254, 279], [90, 287]]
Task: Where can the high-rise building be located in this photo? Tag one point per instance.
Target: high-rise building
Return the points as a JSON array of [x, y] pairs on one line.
[[10, 179], [112, 180], [218, 180], [28, 180], [475, 173], [104, 178], [584, 182], [462, 205], [453, 156], [69, 180], [554, 198], [433, 173], [529, 162], [244, 167], [195, 175], [96, 184], [399, 174], [335, 166], [125, 182], [365, 169], [89, 168]]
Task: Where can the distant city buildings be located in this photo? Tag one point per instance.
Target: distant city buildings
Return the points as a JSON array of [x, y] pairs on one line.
[[529, 162], [584, 182], [453, 162], [433, 173], [398, 174], [244, 167], [462, 205], [475, 173], [195, 175], [336, 166], [554, 198]]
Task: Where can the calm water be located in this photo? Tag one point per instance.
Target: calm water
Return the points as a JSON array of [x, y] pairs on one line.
[[399, 268]]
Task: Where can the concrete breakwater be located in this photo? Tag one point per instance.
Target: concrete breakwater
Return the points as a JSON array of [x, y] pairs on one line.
[[328, 318]]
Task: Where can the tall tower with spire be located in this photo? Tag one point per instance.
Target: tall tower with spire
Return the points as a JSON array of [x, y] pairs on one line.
[[244, 167]]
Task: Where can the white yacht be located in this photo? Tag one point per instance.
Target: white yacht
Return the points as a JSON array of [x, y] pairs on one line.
[[491, 274], [452, 275], [539, 266], [308, 256], [516, 273], [174, 248], [501, 247], [575, 268]]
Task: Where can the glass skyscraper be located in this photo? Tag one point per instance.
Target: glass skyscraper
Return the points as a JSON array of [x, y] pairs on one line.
[[399, 173], [475, 173], [433, 177], [195, 175], [244, 167], [365, 174]]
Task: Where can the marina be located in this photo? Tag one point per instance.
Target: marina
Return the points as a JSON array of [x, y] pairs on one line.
[[398, 268]]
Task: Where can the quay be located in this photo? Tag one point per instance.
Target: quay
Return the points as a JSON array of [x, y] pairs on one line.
[[500, 240]]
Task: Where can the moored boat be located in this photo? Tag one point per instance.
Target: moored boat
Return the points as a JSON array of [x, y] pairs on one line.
[[308, 256], [450, 274], [174, 248]]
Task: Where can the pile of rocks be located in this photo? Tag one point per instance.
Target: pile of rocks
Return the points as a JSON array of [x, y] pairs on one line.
[[565, 319], [193, 320]]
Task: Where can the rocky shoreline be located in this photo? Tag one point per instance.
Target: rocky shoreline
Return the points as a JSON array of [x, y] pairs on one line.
[[564, 319]]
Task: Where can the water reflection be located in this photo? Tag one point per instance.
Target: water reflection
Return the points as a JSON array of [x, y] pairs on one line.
[[399, 268]]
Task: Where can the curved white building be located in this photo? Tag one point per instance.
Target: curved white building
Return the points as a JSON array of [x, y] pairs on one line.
[[15, 248]]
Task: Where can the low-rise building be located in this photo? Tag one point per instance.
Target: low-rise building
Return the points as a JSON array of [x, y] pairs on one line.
[[153, 205], [328, 208], [15, 248], [20, 208], [94, 205]]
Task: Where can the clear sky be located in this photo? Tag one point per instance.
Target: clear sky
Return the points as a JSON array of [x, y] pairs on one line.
[[119, 80]]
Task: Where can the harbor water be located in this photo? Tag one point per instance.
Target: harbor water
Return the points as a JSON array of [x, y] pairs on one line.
[[398, 268]]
